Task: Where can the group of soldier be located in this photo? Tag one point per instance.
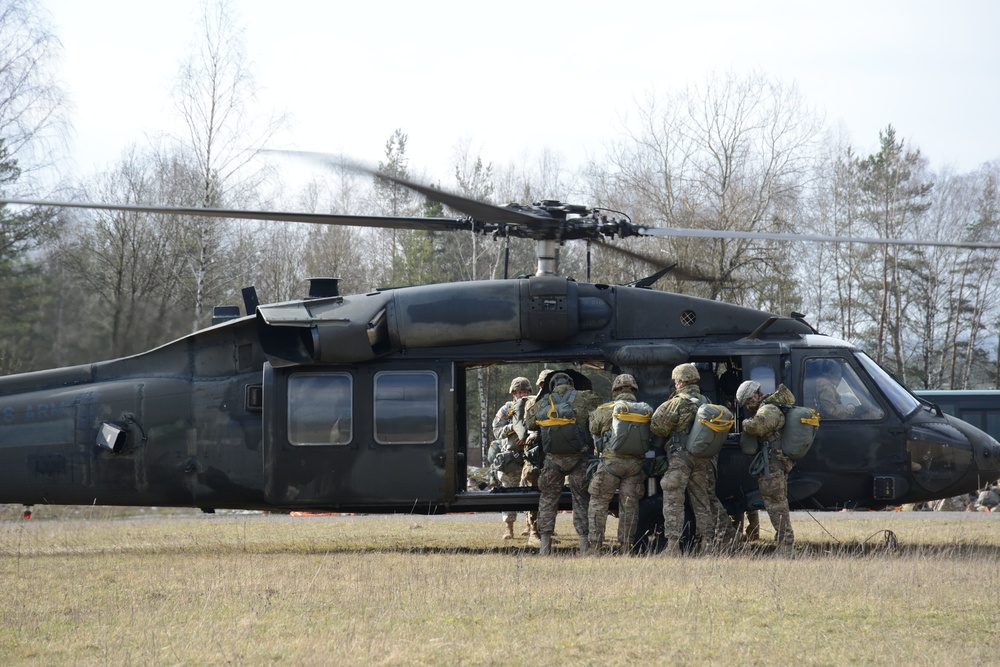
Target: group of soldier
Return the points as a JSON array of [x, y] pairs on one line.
[[544, 439]]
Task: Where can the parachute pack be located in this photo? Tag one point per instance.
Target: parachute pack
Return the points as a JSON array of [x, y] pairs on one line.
[[629, 434], [799, 431], [797, 435], [559, 431], [708, 432]]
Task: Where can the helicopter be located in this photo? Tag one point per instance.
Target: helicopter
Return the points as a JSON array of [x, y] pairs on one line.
[[358, 403]]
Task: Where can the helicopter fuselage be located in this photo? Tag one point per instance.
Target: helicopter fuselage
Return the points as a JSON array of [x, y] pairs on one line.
[[358, 403]]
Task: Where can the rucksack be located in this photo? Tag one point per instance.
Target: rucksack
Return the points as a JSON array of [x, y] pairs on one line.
[[799, 431], [559, 431], [708, 432], [629, 435]]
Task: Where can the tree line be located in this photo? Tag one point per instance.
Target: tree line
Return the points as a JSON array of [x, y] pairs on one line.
[[739, 152]]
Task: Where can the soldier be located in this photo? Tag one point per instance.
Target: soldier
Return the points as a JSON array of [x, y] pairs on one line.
[[508, 448], [561, 417], [828, 400], [533, 457], [690, 476], [988, 499], [770, 466], [621, 433]]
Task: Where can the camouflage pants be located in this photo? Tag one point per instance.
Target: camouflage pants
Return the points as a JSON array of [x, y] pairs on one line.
[[725, 532], [627, 477], [529, 477], [508, 480], [751, 518], [774, 492], [550, 483], [694, 477]]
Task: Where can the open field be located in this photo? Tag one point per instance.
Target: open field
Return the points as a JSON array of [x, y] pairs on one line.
[[103, 586]]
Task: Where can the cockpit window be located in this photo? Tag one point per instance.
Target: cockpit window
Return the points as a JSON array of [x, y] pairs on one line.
[[898, 395], [833, 388]]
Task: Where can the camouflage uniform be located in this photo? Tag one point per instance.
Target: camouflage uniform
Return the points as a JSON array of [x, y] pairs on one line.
[[509, 473], [828, 401], [615, 472], [558, 467], [766, 424], [532, 467], [690, 475]]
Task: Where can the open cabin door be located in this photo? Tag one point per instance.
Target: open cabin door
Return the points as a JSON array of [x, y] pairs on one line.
[[378, 436]]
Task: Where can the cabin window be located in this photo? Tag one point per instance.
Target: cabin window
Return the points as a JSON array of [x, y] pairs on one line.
[[406, 407], [833, 388], [763, 372], [320, 409]]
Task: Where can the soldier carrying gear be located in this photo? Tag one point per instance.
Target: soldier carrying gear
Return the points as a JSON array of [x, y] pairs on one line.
[[688, 476], [622, 428], [561, 416], [533, 456], [770, 465], [507, 450]]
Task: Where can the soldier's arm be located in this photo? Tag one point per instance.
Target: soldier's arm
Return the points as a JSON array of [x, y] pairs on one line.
[[664, 420], [501, 422], [600, 421], [768, 421]]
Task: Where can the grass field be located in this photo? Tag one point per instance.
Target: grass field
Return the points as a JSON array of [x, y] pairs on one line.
[[102, 586]]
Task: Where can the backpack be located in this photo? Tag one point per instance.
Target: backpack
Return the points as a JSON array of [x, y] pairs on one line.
[[708, 432], [799, 431], [559, 431], [502, 458], [629, 435]]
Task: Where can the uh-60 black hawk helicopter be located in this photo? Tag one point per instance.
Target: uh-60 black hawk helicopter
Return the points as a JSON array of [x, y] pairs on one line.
[[357, 403]]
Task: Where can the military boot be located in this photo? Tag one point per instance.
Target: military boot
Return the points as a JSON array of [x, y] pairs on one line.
[[584, 543], [527, 526], [594, 546], [545, 548], [509, 535], [672, 548]]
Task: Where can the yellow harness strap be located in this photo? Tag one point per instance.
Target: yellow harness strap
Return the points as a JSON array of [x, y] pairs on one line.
[[553, 419]]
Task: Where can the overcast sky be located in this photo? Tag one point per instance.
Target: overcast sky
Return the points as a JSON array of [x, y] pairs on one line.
[[514, 77]]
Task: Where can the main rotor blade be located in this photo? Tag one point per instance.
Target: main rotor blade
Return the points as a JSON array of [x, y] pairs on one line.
[[480, 211], [428, 224], [642, 230], [655, 262]]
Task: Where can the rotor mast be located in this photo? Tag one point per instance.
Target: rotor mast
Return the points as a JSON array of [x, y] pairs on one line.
[[547, 253]]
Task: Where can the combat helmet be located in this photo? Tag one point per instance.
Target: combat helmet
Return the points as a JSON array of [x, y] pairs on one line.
[[624, 381], [561, 379], [519, 384], [685, 373], [746, 390], [543, 376]]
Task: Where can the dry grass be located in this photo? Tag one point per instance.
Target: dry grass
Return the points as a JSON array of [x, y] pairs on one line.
[[259, 589]]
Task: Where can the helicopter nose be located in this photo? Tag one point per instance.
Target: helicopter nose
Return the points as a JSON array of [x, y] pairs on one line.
[[987, 453]]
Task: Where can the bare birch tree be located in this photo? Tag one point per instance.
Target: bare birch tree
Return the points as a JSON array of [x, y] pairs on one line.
[[216, 98]]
